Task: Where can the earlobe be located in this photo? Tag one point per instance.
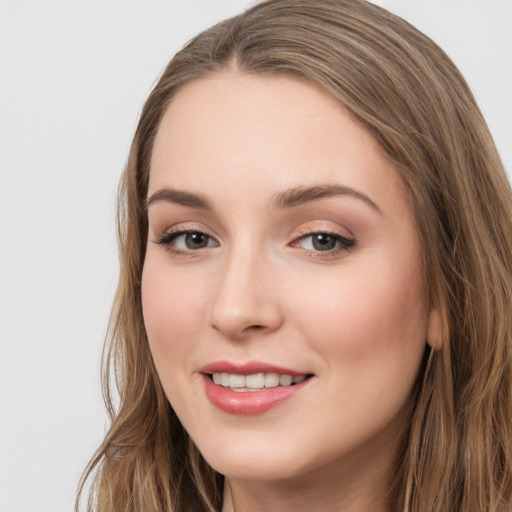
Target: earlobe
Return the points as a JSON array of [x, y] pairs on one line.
[[435, 330]]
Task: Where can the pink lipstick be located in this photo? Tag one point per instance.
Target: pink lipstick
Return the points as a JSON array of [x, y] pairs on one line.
[[250, 388]]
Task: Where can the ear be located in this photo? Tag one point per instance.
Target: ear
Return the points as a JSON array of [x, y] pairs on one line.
[[435, 330]]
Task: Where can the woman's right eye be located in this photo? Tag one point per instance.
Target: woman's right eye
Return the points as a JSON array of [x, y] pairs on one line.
[[185, 241]]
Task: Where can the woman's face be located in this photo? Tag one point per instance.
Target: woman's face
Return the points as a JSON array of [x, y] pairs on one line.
[[282, 289]]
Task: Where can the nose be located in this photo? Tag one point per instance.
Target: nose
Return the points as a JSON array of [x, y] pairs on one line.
[[245, 300]]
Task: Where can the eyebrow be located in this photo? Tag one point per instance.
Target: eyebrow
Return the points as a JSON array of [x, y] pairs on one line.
[[286, 199], [300, 195], [181, 197]]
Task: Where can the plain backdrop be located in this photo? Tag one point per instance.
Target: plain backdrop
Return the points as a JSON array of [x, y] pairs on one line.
[[73, 77]]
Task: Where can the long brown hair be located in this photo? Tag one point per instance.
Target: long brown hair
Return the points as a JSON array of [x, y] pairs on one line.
[[456, 453]]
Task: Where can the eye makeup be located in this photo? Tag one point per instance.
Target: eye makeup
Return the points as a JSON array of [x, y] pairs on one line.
[[317, 243]]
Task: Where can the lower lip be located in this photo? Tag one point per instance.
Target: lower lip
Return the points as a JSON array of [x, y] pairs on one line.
[[248, 403]]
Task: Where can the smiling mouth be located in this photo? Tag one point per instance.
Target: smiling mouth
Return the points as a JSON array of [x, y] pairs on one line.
[[255, 381]]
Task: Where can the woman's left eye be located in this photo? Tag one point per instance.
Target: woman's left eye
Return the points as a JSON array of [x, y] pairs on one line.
[[321, 242]]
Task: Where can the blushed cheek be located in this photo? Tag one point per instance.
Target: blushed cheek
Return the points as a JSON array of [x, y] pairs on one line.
[[367, 316], [169, 308]]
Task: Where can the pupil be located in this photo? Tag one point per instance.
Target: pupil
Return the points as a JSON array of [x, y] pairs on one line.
[[196, 240], [323, 242]]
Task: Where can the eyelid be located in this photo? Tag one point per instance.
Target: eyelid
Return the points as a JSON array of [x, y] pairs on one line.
[[344, 242], [185, 227], [347, 242], [168, 235], [304, 231]]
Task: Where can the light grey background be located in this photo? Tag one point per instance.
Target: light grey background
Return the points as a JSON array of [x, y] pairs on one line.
[[73, 77]]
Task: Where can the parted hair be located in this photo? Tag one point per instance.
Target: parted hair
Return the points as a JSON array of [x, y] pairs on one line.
[[456, 453]]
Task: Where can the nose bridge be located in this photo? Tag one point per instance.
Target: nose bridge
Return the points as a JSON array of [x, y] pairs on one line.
[[244, 298]]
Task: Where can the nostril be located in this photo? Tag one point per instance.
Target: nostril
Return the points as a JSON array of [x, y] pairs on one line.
[[254, 327]]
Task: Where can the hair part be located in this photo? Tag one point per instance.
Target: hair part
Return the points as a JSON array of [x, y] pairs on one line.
[[456, 453]]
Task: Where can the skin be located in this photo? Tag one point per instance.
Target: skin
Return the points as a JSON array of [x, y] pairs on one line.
[[355, 317]]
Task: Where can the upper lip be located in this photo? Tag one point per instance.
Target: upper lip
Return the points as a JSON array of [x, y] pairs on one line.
[[248, 368]]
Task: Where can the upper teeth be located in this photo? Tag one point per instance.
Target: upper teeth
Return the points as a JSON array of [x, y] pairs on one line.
[[256, 380]]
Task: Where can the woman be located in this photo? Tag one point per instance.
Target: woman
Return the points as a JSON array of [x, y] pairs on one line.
[[314, 304]]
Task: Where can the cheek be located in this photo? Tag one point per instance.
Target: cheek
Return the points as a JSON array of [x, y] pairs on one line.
[[173, 309], [370, 313]]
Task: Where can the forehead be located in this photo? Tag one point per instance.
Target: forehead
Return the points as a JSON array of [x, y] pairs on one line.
[[266, 133]]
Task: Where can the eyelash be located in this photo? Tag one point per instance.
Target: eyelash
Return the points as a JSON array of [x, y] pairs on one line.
[[344, 243], [166, 240]]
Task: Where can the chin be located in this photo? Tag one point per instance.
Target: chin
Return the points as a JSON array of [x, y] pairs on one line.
[[258, 461], [256, 469]]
